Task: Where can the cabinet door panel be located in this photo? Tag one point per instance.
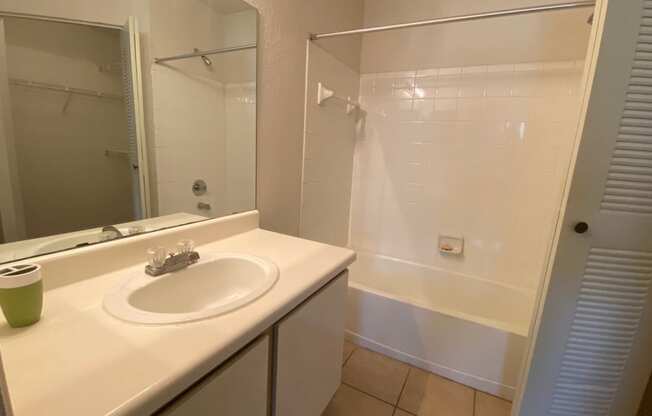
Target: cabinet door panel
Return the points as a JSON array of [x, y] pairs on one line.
[[238, 388], [309, 352]]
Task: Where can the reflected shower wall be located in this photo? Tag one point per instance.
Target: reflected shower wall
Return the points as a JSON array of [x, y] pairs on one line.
[[204, 110]]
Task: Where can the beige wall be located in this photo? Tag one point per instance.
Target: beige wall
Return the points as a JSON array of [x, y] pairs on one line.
[[284, 28], [557, 36]]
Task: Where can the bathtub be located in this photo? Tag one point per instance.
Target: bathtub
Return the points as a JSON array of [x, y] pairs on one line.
[[465, 329]]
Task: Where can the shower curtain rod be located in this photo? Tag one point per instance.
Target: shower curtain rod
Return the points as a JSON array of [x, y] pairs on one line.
[[206, 52], [464, 18]]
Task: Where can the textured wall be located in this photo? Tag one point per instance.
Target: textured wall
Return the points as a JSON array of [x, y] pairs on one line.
[[284, 28]]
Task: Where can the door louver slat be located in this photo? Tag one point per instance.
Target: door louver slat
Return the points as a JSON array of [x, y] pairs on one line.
[[607, 319]]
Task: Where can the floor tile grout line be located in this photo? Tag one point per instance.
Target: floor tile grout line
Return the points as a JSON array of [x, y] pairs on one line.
[[350, 355], [403, 410], [395, 406], [407, 376], [368, 394], [410, 366]]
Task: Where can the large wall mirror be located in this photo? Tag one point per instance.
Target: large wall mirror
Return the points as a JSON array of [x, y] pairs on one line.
[[111, 131]]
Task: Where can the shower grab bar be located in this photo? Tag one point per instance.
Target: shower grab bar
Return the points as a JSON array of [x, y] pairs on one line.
[[462, 18], [198, 53]]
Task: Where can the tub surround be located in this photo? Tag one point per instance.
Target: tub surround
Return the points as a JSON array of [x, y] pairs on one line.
[[439, 143], [112, 367], [401, 310]]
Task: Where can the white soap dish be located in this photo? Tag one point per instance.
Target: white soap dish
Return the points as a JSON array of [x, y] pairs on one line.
[[451, 245]]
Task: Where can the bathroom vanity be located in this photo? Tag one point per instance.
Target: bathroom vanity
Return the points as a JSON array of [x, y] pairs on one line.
[[278, 354], [294, 367]]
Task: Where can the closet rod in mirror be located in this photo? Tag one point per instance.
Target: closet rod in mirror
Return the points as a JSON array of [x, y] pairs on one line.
[[63, 88]]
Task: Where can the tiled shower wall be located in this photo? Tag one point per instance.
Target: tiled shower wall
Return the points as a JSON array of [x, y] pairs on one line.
[[240, 132], [197, 109], [222, 153], [474, 152], [329, 145]]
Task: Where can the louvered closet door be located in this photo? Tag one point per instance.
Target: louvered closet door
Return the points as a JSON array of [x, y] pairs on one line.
[[591, 352]]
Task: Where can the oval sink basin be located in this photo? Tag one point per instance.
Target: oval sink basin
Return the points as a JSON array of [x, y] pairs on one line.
[[217, 284]]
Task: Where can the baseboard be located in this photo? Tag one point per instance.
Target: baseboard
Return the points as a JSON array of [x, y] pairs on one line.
[[478, 383]]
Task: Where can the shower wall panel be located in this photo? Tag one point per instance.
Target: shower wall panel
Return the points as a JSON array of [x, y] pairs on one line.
[[329, 142], [204, 116], [475, 152]]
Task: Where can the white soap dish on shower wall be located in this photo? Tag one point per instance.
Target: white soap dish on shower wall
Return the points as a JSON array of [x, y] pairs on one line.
[[450, 245]]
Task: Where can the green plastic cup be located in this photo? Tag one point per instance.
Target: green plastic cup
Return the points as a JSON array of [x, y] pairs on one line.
[[21, 294]]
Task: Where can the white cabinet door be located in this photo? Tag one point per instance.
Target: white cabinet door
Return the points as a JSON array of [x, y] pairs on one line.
[[590, 354], [238, 388], [309, 352]]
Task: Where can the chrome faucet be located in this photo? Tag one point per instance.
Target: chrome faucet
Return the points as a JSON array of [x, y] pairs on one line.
[[112, 229], [162, 261]]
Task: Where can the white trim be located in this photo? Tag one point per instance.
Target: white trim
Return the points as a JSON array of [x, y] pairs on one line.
[[478, 383], [139, 115], [305, 134]]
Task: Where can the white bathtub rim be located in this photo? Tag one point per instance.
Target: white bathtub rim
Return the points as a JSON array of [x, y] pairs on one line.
[[525, 291], [482, 384], [513, 329]]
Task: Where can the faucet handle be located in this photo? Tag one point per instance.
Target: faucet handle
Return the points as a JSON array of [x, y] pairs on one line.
[[185, 246], [156, 256]]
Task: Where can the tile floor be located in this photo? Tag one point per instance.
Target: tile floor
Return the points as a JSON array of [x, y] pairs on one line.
[[376, 385]]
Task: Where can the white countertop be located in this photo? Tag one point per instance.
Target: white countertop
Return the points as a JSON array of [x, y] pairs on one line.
[[79, 360]]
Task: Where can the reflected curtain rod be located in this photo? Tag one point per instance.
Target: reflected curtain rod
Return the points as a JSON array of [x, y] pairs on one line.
[[206, 52], [463, 18]]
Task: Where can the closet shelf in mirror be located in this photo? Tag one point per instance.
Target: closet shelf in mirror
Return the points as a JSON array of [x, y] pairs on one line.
[[64, 88]]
